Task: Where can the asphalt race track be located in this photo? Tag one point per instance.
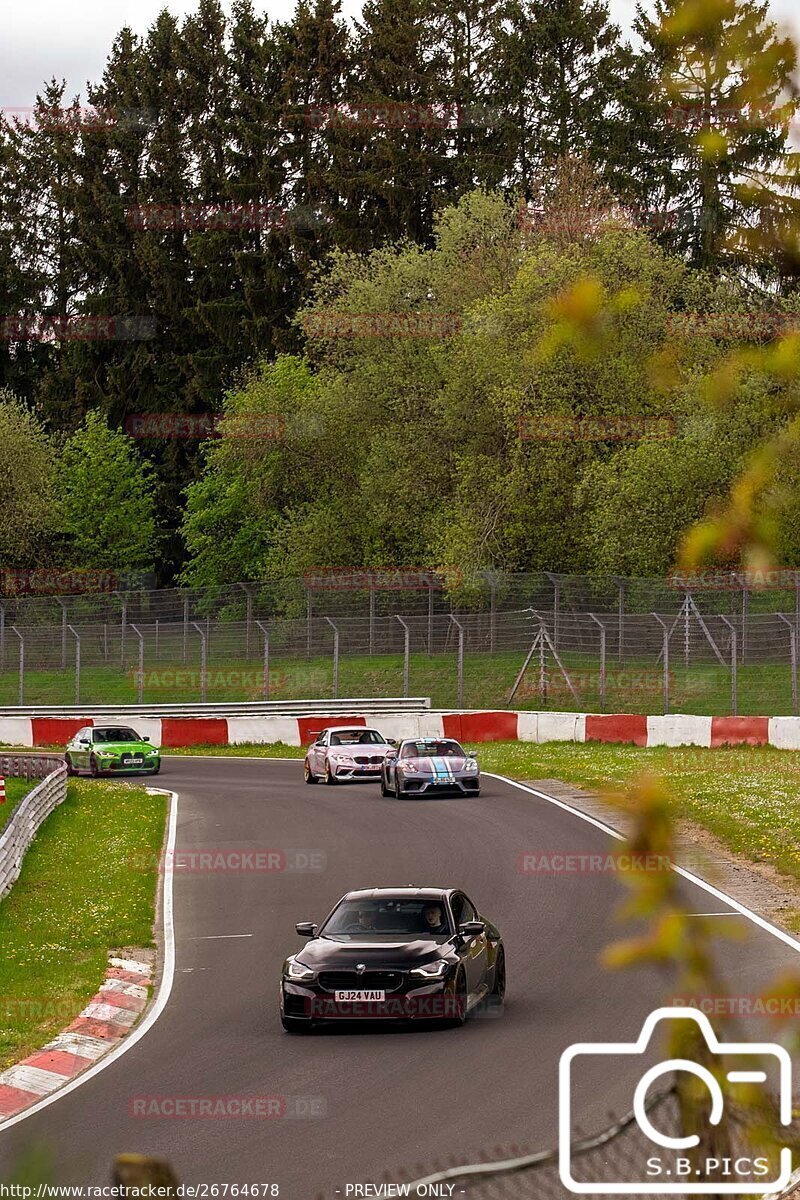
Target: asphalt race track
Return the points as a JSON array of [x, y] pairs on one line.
[[386, 1098]]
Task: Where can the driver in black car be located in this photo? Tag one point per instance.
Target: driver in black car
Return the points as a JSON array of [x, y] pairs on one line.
[[366, 919], [434, 919]]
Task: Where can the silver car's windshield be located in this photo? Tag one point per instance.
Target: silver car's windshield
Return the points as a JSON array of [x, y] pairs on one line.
[[357, 737], [440, 748]]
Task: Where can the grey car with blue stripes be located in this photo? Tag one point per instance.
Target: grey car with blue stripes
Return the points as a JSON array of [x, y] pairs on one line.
[[430, 766]]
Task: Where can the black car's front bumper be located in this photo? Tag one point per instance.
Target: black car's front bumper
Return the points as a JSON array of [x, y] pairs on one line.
[[415, 999]]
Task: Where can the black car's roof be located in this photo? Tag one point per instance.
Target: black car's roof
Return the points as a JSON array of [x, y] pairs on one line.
[[408, 892]]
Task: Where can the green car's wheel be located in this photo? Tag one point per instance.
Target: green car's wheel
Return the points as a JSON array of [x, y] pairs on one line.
[[71, 770]]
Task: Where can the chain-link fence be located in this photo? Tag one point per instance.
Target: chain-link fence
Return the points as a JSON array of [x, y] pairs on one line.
[[705, 645]]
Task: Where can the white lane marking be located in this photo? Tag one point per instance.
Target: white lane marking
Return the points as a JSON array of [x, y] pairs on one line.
[[165, 987], [216, 937], [720, 914], [781, 934]]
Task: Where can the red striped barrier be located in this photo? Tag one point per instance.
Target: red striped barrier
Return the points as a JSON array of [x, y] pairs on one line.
[[56, 731], [194, 731], [616, 727], [740, 731], [498, 726]]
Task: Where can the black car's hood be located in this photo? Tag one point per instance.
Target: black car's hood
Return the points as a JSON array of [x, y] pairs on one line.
[[325, 953]]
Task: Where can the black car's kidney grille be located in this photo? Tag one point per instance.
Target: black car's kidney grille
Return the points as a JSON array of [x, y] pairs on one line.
[[374, 760], [368, 981]]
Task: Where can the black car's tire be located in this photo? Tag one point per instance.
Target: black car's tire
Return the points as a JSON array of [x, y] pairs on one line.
[[307, 775], [70, 769], [460, 996], [330, 778], [499, 983], [94, 770], [295, 1024]]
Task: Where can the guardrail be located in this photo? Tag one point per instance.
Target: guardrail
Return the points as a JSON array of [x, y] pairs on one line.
[[28, 766], [25, 821], [255, 708]]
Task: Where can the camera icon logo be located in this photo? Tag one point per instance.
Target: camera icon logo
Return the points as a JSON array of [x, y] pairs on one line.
[[670, 1170]]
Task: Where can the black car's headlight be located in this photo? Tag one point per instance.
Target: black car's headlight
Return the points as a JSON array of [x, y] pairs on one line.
[[432, 970], [293, 969]]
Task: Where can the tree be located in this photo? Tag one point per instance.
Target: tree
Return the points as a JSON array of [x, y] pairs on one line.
[[562, 66], [30, 525], [722, 105], [107, 499]]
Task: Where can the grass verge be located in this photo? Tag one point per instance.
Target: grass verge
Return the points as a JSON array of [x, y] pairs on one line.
[[88, 885]]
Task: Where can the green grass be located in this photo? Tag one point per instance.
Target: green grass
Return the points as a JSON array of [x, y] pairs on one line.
[[88, 885], [748, 796], [637, 687], [16, 790]]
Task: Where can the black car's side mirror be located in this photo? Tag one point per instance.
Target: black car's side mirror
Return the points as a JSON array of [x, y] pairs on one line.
[[306, 928], [470, 929]]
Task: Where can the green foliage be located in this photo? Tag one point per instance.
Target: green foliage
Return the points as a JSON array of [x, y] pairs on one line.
[[107, 498], [29, 526]]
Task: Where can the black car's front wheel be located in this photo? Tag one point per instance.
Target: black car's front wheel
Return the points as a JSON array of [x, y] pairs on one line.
[[499, 982], [460, 996]]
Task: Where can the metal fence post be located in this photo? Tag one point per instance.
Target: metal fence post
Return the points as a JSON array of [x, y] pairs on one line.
[[556, 605], [460, 629], [793, 661], [156, 647], [335, 658], [430, 619], [308, 622], [248, 591], [371, 619], [203, 653], [745, 609], [21, 665], [406, 648], [265, 630], [141, 662], [124, 620], [3, 636], [63, 606], [185, 628], [734, 665], [602, 661], [76, 635], [665, 657], [492, 615]]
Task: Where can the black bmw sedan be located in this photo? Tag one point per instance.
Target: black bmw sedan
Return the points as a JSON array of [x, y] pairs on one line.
[[404, 953]]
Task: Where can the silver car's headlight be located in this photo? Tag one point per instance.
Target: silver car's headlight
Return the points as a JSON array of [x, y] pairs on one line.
[[345, 759], [470, 767], [406, 768], [432, 969], [298, 970]]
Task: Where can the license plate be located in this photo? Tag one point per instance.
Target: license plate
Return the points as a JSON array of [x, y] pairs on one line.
[[135, 760], [362, 769], [359, 997]]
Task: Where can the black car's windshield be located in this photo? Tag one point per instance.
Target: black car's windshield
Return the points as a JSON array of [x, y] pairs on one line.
[[116, 733], [385, 915], [357, 737], [438, 748]]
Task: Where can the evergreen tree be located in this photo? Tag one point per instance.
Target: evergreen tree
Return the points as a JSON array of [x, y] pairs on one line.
[[726, 89]]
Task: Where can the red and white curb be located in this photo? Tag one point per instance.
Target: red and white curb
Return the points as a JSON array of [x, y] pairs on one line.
[[107, 1018], [480, 725]]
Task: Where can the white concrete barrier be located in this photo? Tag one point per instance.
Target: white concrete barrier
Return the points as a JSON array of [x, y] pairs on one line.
[[679, 730]]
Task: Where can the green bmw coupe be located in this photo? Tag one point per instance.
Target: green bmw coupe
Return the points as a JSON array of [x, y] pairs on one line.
[[111, 750]]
